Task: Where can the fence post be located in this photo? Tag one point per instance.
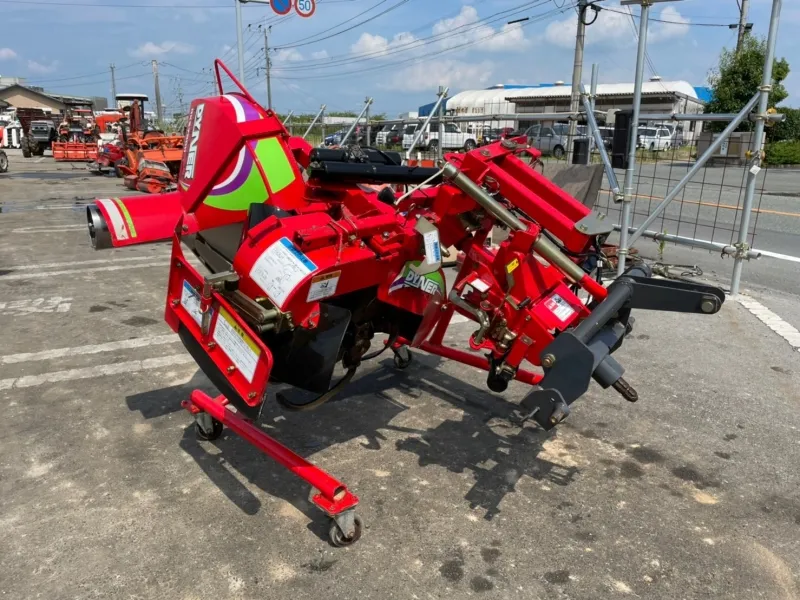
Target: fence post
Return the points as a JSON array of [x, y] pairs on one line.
[[637, 102], [753, 165], [442, 108], [369, 127]]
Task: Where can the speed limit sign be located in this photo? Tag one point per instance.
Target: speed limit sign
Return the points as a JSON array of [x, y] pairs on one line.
[[305, 8]]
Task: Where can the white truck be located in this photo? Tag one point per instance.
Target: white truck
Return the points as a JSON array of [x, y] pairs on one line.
[[454, 138], [655, 139]]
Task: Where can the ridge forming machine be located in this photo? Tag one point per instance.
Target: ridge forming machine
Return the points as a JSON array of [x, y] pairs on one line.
[[312, 254]]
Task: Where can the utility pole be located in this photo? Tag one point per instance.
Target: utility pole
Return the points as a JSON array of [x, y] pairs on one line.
[[577, 74], [159, 108], [239, 41], [113, 86], [267, 31], [743, 28]]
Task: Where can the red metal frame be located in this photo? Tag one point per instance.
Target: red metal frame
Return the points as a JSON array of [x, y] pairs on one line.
[[333, 497], [519, 299]]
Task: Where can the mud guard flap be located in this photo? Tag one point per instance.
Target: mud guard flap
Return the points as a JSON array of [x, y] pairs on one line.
[[309, 356], [206, 364]]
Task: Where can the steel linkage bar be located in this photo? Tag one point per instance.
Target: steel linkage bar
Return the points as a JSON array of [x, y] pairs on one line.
[[598, 140], [442, 94], [699, 164], [687, 241], [755, 148], [314, 121]]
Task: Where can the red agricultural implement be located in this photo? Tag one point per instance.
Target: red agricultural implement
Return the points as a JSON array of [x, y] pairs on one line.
[[305, 267]]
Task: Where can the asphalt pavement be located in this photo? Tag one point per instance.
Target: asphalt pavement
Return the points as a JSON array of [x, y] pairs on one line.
[[690, 493]]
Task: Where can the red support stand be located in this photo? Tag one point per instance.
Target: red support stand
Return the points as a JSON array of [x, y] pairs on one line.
[[332, 496]]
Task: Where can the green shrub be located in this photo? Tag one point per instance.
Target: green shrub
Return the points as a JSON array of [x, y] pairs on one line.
[[783, 153]]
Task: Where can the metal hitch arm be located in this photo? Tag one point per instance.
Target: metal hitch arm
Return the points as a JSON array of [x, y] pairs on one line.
[[579, 355]]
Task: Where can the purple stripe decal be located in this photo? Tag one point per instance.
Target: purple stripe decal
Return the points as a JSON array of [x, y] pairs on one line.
[[241, 176], [250, 112]]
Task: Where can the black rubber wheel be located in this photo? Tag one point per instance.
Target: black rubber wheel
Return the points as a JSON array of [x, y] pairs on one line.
[[121, 161], [216, 431], [337, 538], [433, 145], [26, 149], [400, 362], [469, 145], [558, 152], [3, 162]]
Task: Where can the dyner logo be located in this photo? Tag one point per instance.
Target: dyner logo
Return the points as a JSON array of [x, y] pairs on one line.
[[430, 283], [188, 172]]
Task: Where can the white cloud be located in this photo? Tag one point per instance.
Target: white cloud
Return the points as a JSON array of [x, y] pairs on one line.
[[429, 74], [7, 54], [677, 27], [42, 68], [288, 55], [376, 45], [614, 27], [319, 55], [467, 29], [153, 50]]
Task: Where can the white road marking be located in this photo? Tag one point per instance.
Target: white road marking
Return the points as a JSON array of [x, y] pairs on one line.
[[38, 160], [773, 321], [76, 263], [30, 306], [123, 368], [780, 256], [53, 228], [155, 340], [458, 318], [16, 276]]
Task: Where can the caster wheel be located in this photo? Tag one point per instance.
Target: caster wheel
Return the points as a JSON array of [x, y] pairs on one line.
[[399, 361], [211, 429], [338, 539]]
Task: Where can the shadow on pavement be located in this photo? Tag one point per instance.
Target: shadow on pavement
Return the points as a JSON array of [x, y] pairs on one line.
[[485, 441]]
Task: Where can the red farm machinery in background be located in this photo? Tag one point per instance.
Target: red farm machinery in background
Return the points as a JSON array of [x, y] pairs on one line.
[[306, 267]]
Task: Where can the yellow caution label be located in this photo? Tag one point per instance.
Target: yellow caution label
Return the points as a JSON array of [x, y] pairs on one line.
[[510, 267]]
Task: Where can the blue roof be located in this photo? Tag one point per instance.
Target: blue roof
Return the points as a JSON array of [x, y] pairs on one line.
[[704, 94]]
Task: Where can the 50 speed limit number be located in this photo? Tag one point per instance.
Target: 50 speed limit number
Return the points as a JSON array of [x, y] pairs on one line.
[[305, 8]]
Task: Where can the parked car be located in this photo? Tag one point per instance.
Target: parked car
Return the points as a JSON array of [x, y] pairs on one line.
[[335, 138], [454, 138], [390, 135], [495, 135], [550, 140], [654, 139]]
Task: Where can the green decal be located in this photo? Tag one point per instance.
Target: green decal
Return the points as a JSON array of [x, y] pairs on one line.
[[123, 209], [430, 283], [276, 165], [251, 191]]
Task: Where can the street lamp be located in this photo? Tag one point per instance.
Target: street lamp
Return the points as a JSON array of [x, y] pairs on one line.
[[239, 41]]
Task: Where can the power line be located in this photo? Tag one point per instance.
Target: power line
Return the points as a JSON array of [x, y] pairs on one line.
[[536, 19], [37, 80], [686, 23], [416, 42], [302, 42]]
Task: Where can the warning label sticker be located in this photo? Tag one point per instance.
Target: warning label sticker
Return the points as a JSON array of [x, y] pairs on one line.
[[280, 269], [237, 344], [559, 307], [323, 286], [433, 252], [190, 300]]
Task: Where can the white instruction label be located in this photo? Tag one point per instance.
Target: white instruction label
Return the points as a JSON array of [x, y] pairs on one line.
[[323, 286], [190, 300], [237, 344], [480, 285], [279, 270], [433, 253], [559, 307]]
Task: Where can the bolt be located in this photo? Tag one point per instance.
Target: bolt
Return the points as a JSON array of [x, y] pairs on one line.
[[231, 369], [251, 395], [212, 345], [485, 153], [178, 264], [175, 302], [582, 227], [386, 235], [548, 361], [707, 306], [185, 228]]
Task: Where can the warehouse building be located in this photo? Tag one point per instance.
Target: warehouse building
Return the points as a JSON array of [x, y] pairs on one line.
[[658, 97]]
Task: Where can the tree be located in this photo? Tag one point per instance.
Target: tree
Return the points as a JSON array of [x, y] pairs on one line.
[[738, 77], [788, 129]]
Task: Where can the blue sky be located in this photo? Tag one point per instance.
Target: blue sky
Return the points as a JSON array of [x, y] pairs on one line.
[[399, 57]]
